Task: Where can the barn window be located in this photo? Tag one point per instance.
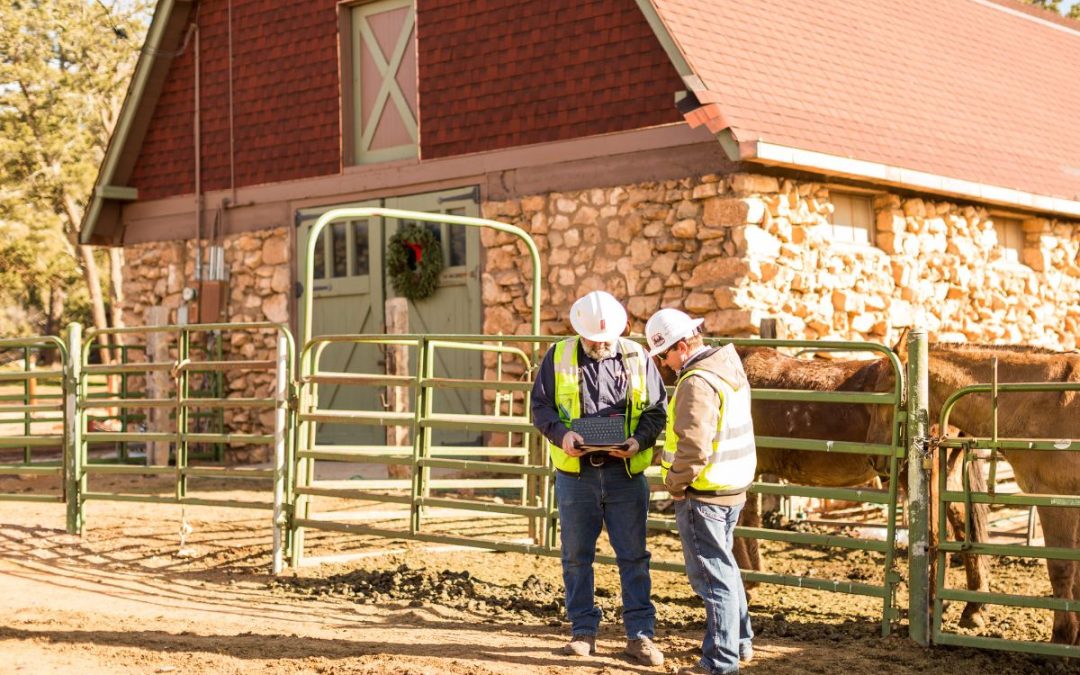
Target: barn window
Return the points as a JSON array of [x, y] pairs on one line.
[[380, 82], [1010, 238], [852, 220], [344, 245]]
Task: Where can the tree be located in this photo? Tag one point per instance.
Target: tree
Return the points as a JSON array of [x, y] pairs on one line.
[[1073, 11], [64, 67]]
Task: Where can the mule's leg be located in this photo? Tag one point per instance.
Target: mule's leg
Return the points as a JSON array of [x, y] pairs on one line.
[[747, 552], [976, 567], [1061, 527]]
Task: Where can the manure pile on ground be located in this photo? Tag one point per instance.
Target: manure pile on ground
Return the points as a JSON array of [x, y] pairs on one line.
[[459, 590]]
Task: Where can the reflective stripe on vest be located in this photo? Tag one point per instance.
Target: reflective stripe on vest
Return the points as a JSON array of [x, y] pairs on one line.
[[568, 399], [732, 462]]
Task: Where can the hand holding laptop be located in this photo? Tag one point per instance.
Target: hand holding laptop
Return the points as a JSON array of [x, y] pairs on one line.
[[600, 434], [631, 448]]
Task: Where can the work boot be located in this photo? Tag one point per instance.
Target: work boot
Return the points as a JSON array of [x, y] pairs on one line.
[[580, 645], [746, 652], [644, 652], [696, 669]]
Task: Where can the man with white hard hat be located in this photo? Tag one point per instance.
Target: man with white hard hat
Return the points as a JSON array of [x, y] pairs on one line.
[[600, 374], [708, 462]]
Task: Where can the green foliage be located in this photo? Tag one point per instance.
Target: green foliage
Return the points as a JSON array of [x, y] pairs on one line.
[[1052, 5], [1073, 11], [64, 68]]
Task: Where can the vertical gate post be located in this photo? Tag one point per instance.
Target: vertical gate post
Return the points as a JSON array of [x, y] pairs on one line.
[[73, 430], [918, 416], [280, 429]]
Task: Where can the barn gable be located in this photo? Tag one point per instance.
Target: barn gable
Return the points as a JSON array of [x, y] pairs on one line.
[[491, 75]]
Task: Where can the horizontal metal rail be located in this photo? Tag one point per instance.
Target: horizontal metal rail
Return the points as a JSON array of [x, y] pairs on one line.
[[865, 495], [845, 447], [23, 376], [31, 497], [31, 441], [28, 470], [173, 499]]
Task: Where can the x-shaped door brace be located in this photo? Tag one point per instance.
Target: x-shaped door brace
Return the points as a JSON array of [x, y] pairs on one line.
[[389, 87]]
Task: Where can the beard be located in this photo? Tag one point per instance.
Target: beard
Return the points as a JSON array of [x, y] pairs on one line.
[[599, 350]]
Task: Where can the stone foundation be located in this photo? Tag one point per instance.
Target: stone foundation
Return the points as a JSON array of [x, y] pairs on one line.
[[259, 281], [739, 248], [733, 249]]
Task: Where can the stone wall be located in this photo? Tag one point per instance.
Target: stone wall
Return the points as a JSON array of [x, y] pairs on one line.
[[258, 264], [735, 249]]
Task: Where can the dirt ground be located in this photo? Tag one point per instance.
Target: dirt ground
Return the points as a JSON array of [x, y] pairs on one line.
[[138, 593]]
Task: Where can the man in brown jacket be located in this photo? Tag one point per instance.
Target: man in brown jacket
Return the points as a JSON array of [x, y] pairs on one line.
[[708, 463]]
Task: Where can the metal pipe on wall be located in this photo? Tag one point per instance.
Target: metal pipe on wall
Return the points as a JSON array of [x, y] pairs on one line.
[[198, 163], [232, 135]]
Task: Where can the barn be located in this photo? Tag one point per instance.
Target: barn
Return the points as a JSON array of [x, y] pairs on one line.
[[847, 169]]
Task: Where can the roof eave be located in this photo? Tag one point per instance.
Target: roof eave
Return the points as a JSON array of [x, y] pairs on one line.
[[773, 154], [101, 219]]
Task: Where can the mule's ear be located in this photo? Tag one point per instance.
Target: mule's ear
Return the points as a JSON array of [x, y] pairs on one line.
[[900, 347]]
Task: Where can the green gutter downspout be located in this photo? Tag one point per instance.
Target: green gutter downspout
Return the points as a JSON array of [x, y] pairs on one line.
[[350, 214]]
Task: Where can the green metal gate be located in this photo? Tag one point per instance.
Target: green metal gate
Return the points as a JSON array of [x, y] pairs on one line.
[[180, 401], [514, 477], [893, 451], [33, 414], [971, 447]]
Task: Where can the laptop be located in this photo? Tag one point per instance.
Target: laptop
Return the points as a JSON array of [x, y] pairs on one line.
[[601, 433]]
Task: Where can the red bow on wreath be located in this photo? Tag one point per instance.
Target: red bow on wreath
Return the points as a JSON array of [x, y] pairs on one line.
[[414, 261], [417, 251]]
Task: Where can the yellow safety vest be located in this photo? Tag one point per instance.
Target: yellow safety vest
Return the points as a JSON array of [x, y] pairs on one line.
[[568, 400], [732, 464]]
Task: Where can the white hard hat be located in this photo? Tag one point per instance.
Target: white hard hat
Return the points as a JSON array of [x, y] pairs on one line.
[[667, 327], [598, 316]]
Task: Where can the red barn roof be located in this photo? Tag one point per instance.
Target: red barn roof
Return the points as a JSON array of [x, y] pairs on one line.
[[966, 96]]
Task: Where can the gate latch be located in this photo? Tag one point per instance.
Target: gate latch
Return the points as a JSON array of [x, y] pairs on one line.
[[924, 447]]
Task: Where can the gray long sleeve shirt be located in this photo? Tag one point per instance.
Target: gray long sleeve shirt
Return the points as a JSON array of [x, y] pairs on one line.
[[605, 387]]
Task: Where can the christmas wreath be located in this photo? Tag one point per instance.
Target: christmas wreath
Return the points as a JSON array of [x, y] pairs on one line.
[[414, 261]]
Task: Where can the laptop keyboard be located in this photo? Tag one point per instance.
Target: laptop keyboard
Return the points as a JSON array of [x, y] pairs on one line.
[[600, 430]]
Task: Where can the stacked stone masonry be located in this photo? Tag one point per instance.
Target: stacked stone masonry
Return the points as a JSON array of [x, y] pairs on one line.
[[259, 280], [735, 249]]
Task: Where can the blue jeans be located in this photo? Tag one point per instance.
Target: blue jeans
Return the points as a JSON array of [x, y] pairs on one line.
[[600, 496], [707, 533]]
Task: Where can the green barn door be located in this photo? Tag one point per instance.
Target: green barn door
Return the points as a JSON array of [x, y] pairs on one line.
[[348, 299], [455, 305], [350, 290]]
